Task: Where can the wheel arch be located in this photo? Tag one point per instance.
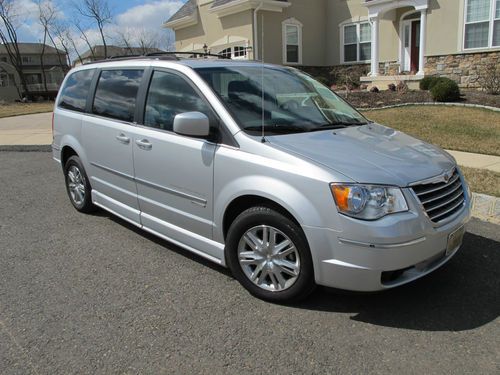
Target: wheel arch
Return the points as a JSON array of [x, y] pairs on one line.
[[66, 153], [244, 202]]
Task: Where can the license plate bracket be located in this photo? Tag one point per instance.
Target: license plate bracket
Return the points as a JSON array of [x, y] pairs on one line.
[[455, 239]]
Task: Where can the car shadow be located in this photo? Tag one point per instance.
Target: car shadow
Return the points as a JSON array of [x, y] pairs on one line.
[[461, 295]]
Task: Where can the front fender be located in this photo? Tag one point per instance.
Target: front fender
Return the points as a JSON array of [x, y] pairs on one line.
[[296, 203]]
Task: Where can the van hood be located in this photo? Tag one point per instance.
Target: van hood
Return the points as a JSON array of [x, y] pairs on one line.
[[370, 153]]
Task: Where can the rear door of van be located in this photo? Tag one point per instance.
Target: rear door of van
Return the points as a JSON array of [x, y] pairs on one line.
[[107, 137]]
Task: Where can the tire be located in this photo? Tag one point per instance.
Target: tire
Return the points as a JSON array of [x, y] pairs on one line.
[[78, 185], [279, 270]]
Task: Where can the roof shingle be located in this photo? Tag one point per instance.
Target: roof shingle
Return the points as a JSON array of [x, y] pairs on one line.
[[184, 11]]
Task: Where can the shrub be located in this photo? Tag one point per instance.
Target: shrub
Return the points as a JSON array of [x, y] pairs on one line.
[[402, 87], [489, 78], [445, 90], [324, 80], [428, 82], [391, 87], [374, 89]]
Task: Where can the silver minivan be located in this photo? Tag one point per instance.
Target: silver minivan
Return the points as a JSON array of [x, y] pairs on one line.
[[259, 168]]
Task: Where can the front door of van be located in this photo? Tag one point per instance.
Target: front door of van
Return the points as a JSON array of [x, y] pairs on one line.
[[107, 136], [174, 173]]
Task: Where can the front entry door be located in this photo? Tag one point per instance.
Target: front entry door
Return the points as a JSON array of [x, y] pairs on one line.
[[174, 173], [411, 46], [415, 46]]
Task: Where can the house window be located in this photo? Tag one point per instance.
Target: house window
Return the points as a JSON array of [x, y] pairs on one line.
[[357, 42], [27, 59], [292, 42], [226, 53], [237, 52], [240, 52], [482, 24]]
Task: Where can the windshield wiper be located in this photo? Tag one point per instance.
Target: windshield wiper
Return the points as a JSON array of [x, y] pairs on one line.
[[277, 128], [337, 125]]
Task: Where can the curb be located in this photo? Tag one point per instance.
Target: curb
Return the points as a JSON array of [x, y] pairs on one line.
[[494, 109], [26, 148]]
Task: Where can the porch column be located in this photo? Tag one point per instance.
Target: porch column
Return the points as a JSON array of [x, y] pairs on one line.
[[374, 52], [423, 33]]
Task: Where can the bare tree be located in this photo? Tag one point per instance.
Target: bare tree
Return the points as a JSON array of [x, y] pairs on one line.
[[97, 11], [141, 41], [62, 34], [48, 20], [124, 39], [69, 37], [9, 38], [85, 38], [46, 14]]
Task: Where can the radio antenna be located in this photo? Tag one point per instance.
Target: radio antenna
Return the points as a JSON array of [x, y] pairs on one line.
[[263, 139]]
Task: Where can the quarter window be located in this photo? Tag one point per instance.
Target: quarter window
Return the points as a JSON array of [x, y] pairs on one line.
[[75, 91], [170, 95], [357, 42], [482, 24], [116, 94]]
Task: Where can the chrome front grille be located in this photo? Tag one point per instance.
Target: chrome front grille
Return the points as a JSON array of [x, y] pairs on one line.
[[441, 199]]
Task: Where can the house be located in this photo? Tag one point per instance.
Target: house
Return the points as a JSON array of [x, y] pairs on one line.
[[390, 40], [98, 53], [55, 66]]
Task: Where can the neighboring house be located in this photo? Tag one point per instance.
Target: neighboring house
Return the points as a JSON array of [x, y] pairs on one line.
[[10, 82], [97, 53], [391, 37]]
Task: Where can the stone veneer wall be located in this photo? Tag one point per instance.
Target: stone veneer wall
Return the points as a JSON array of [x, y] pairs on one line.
[[335, 73], [463, 68]]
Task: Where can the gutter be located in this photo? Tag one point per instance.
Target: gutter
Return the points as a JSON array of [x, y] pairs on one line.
[[256, 32]]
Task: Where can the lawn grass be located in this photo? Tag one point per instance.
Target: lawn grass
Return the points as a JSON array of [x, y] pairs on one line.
[[17, 109], [455, 128], [482, 181]]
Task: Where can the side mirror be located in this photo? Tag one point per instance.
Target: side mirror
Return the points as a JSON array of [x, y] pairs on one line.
[[192, 124]]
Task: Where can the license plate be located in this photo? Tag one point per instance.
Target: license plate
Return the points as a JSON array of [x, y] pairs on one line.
[[455, 240]]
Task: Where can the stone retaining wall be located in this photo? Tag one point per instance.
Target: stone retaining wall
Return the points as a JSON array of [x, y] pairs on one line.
[[462, 68]]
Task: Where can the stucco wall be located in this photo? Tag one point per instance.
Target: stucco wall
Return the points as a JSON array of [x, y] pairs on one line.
[[210, 29], [311, 13]]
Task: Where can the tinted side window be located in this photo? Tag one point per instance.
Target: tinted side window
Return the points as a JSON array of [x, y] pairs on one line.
[[116, 94], [75, 91], [169, 95]]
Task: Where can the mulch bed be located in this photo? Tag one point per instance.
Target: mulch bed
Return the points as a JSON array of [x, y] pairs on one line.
[[365, 99]]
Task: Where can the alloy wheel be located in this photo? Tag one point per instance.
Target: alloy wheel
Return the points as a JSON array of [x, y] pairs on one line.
[[76, 185], [269, 258]]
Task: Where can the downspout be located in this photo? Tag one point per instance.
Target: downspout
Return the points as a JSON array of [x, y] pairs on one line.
[[256, 32]]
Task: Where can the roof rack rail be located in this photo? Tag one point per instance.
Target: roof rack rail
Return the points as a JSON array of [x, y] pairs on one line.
[[166, 55], [196, 54]]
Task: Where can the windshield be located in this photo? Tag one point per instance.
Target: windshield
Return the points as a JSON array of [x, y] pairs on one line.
[[284, 100]]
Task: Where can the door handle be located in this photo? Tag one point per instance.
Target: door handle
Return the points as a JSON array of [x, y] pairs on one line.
[[144, 144], [123, 139]]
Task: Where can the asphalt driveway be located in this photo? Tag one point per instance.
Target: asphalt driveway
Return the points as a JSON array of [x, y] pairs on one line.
[[91, 294]]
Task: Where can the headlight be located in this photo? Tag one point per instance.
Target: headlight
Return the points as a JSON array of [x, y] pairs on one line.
[[368, 202]]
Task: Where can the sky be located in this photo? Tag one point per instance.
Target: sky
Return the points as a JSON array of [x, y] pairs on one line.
[[134, 16]]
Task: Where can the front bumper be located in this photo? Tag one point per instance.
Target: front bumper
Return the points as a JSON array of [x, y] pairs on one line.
[[382, 254]]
